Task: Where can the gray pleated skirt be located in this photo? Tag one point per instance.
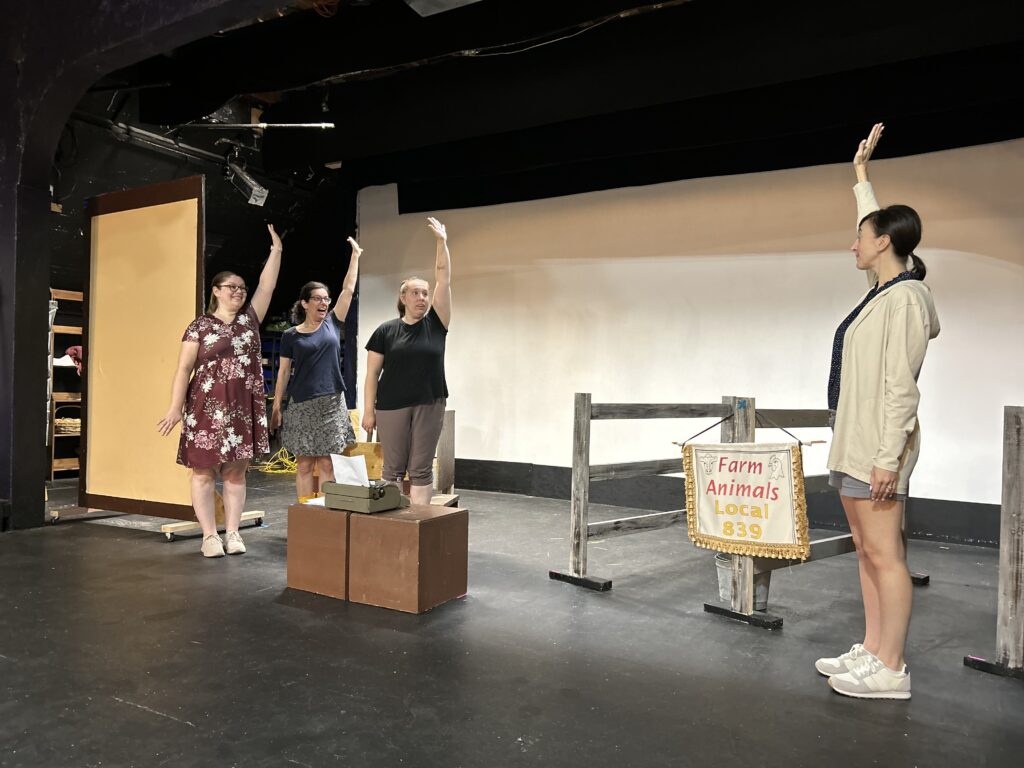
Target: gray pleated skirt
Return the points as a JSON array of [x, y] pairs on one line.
[[317, 427]]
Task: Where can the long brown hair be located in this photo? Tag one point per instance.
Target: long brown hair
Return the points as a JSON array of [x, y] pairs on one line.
[[219, 278]]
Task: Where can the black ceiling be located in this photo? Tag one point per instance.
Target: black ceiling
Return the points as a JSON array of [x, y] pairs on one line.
[[549, 105]]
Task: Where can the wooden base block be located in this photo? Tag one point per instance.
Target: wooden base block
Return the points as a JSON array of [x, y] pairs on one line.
[[444, 500], [410, 559], [170, 530], [993, 667], [318, 550], [755, 619], [589, 582], [77, 513], [920, 579]]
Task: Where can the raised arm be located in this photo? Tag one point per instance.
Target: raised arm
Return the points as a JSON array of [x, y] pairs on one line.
[[862, 190], [442, 272], [186, 364], [374, 365], [864, 151], [348, 288], [268, 277]]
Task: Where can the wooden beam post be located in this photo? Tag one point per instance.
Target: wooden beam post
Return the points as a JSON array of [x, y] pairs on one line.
[[446, 455], [1010, 623], [580, 504], [580, 508], [741, 429], [1009, 660]]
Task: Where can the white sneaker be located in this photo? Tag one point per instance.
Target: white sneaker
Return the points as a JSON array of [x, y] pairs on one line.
[[213, 546], [840, 664], [235, 544], [869, 678]]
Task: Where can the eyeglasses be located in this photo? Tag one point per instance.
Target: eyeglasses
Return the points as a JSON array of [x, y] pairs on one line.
[[234, 288], [320, 299]]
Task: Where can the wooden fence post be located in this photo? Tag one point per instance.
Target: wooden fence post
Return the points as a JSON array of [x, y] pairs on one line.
[[580, 504], [1009, 660], [580, 484], [741, 429], [446, 455]]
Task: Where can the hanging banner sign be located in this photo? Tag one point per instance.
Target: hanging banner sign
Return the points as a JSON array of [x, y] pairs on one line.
[[747, 499]]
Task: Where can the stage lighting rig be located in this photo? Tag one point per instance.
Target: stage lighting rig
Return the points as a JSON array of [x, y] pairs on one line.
[[254, 192]]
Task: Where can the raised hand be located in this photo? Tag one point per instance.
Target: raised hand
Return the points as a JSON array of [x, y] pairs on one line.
[[275, 239], [867, 146], [437, 228], [356, 250]]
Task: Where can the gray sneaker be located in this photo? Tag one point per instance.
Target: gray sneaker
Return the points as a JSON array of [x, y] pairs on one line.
[[869, 678], [235, 544], [213, 546], [841, 664]]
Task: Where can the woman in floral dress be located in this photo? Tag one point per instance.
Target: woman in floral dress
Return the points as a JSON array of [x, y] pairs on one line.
[[218, 396]]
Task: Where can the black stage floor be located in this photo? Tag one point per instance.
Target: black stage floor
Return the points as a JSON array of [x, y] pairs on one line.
[[120, 649]]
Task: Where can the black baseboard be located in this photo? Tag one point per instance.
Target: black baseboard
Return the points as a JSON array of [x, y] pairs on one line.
[[935, 519]]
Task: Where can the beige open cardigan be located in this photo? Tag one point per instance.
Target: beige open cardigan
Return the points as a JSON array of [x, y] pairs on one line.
[[883, 349]]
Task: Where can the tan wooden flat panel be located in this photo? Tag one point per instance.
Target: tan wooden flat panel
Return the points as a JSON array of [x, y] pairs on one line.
[[142, 295]]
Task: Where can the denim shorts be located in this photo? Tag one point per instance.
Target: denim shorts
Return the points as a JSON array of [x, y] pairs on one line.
[[854, 488]]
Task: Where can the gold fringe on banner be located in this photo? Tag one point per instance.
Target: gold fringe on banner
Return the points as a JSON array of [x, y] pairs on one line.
[[801, 550]]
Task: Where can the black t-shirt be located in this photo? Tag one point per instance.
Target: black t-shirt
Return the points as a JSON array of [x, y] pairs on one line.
[[413, 372]]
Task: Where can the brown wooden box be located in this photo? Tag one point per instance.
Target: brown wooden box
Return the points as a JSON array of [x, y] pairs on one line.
[[411, 559], [318, 550]]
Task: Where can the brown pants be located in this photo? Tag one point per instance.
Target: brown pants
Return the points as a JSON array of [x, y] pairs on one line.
[[408, 437]]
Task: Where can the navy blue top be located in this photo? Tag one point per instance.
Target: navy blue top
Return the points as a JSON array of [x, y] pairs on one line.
[[413, 372], [837, 343], [316, 360]]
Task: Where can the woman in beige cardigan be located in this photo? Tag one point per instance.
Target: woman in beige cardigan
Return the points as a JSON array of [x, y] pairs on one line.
[[877, 356]]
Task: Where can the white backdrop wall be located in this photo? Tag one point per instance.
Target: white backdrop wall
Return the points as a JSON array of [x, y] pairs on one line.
[[691, 290]]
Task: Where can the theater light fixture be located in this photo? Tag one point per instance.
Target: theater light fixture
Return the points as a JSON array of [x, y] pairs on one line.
[[254, 192]]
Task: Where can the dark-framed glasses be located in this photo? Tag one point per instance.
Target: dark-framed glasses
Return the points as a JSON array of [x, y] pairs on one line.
[[234, 287], [320, 300]]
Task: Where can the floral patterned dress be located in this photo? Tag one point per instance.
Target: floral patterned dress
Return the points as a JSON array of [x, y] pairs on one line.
[[225, 410]]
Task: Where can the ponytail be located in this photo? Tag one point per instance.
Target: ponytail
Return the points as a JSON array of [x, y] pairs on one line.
[[919, 270], [297, 313]]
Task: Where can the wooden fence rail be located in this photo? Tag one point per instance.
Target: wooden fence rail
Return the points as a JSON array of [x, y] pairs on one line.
[[740, 425]]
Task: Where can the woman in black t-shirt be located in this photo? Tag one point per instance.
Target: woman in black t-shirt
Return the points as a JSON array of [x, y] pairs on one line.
[[404, 396]]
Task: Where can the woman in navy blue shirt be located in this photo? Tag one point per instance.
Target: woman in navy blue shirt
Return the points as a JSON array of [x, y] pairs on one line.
[[316, 421]]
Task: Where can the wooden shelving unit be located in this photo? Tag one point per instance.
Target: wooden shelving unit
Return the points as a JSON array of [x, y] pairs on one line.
[[63, 402]]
